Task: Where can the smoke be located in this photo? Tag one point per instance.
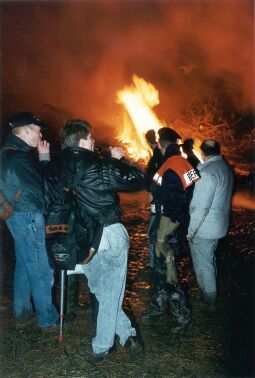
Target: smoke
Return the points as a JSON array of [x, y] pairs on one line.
[[75, 55]]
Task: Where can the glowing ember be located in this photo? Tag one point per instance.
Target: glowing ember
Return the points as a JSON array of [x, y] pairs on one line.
[[138, 118]]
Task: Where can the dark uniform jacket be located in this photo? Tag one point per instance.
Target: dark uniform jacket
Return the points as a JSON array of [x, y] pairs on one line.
[[171, 194]]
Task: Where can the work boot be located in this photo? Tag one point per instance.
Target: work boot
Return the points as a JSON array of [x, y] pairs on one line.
[[157, 305], [179, 305], [210, 298], [21, 324], [97, 357], [152, 314], [134, 346]]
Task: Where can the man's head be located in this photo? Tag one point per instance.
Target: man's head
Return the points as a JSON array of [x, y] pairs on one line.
[[151, 137], [188, 145], [27, 127], [167, 136], [77, 133], [209, 147]]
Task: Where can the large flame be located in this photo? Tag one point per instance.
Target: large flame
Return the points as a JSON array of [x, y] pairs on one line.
[[138, 117]]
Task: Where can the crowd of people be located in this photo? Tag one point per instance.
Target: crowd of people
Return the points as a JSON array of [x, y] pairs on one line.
[[190, 205]]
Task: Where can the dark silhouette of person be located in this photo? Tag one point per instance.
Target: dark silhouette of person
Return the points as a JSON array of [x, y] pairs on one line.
[[187, 148]]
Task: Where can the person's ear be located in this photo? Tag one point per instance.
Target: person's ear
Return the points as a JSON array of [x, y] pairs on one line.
[[82, 143]]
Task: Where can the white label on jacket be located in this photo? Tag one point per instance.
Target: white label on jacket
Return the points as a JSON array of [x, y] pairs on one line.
[[190, 176], [157, 178]]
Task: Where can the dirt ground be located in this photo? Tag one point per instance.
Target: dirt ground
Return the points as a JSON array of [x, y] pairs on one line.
[[218, 342]]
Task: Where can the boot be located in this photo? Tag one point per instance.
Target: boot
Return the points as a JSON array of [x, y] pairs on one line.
[[179, 305]]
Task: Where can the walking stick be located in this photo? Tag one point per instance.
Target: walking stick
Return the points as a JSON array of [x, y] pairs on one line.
[[61, 315]]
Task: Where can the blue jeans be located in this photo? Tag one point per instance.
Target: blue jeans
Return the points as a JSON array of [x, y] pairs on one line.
[[204, 262], [33, 275], [106, 274]]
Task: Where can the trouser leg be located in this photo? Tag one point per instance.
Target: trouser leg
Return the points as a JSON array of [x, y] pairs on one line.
[[159, 293], [106, 275], [32, 273], [94, 305], [202, 251]]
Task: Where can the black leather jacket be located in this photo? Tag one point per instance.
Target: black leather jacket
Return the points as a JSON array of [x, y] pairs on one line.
[[96, 182], [20, 170]]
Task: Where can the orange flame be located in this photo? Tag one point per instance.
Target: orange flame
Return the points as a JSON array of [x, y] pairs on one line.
[[138, 117], [138, 100]]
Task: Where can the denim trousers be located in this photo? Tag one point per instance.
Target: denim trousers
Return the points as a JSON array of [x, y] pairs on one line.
[[33, 275], [106, 274], [204, 262]]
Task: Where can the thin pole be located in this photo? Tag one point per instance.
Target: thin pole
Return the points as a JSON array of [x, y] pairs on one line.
[[61, 315]]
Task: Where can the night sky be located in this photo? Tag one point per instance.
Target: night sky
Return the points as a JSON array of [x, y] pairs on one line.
[[64, 59]]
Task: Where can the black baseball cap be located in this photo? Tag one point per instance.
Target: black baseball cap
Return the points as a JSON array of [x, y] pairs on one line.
[[25, 118]]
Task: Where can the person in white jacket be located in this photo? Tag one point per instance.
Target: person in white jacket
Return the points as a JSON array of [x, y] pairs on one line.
[[209, 215]]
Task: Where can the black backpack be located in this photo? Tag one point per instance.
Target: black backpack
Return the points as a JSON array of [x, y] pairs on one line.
[[59, 234]]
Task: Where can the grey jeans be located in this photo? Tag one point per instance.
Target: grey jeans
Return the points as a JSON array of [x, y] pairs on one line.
[[106, 274], [202, 251]]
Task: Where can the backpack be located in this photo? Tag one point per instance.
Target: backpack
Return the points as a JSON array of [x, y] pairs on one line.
[[7, 206], [66, 235], [60, 237]]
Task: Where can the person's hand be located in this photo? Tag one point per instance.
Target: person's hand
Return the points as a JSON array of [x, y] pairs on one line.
[[43, 147], [189, 238], [116, 152], [89, 257]]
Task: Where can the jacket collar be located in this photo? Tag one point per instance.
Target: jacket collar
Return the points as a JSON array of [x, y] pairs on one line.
[[171, 150], [16, 142], [78, 151], [202, 166]]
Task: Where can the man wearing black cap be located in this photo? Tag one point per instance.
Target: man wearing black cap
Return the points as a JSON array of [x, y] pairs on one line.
[[170, 190], [20, 173]]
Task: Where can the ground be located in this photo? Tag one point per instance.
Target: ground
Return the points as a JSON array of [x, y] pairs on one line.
[[217, 343]]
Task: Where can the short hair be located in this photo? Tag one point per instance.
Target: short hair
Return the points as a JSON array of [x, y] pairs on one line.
[[210, 147], [73, 131]]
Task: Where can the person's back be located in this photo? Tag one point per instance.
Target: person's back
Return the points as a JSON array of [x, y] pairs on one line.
[[187, 148], [217, 181], [209, 216], [100, 180], [96, 183]]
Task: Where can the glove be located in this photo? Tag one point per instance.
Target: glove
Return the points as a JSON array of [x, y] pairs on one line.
[[166, 227]]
